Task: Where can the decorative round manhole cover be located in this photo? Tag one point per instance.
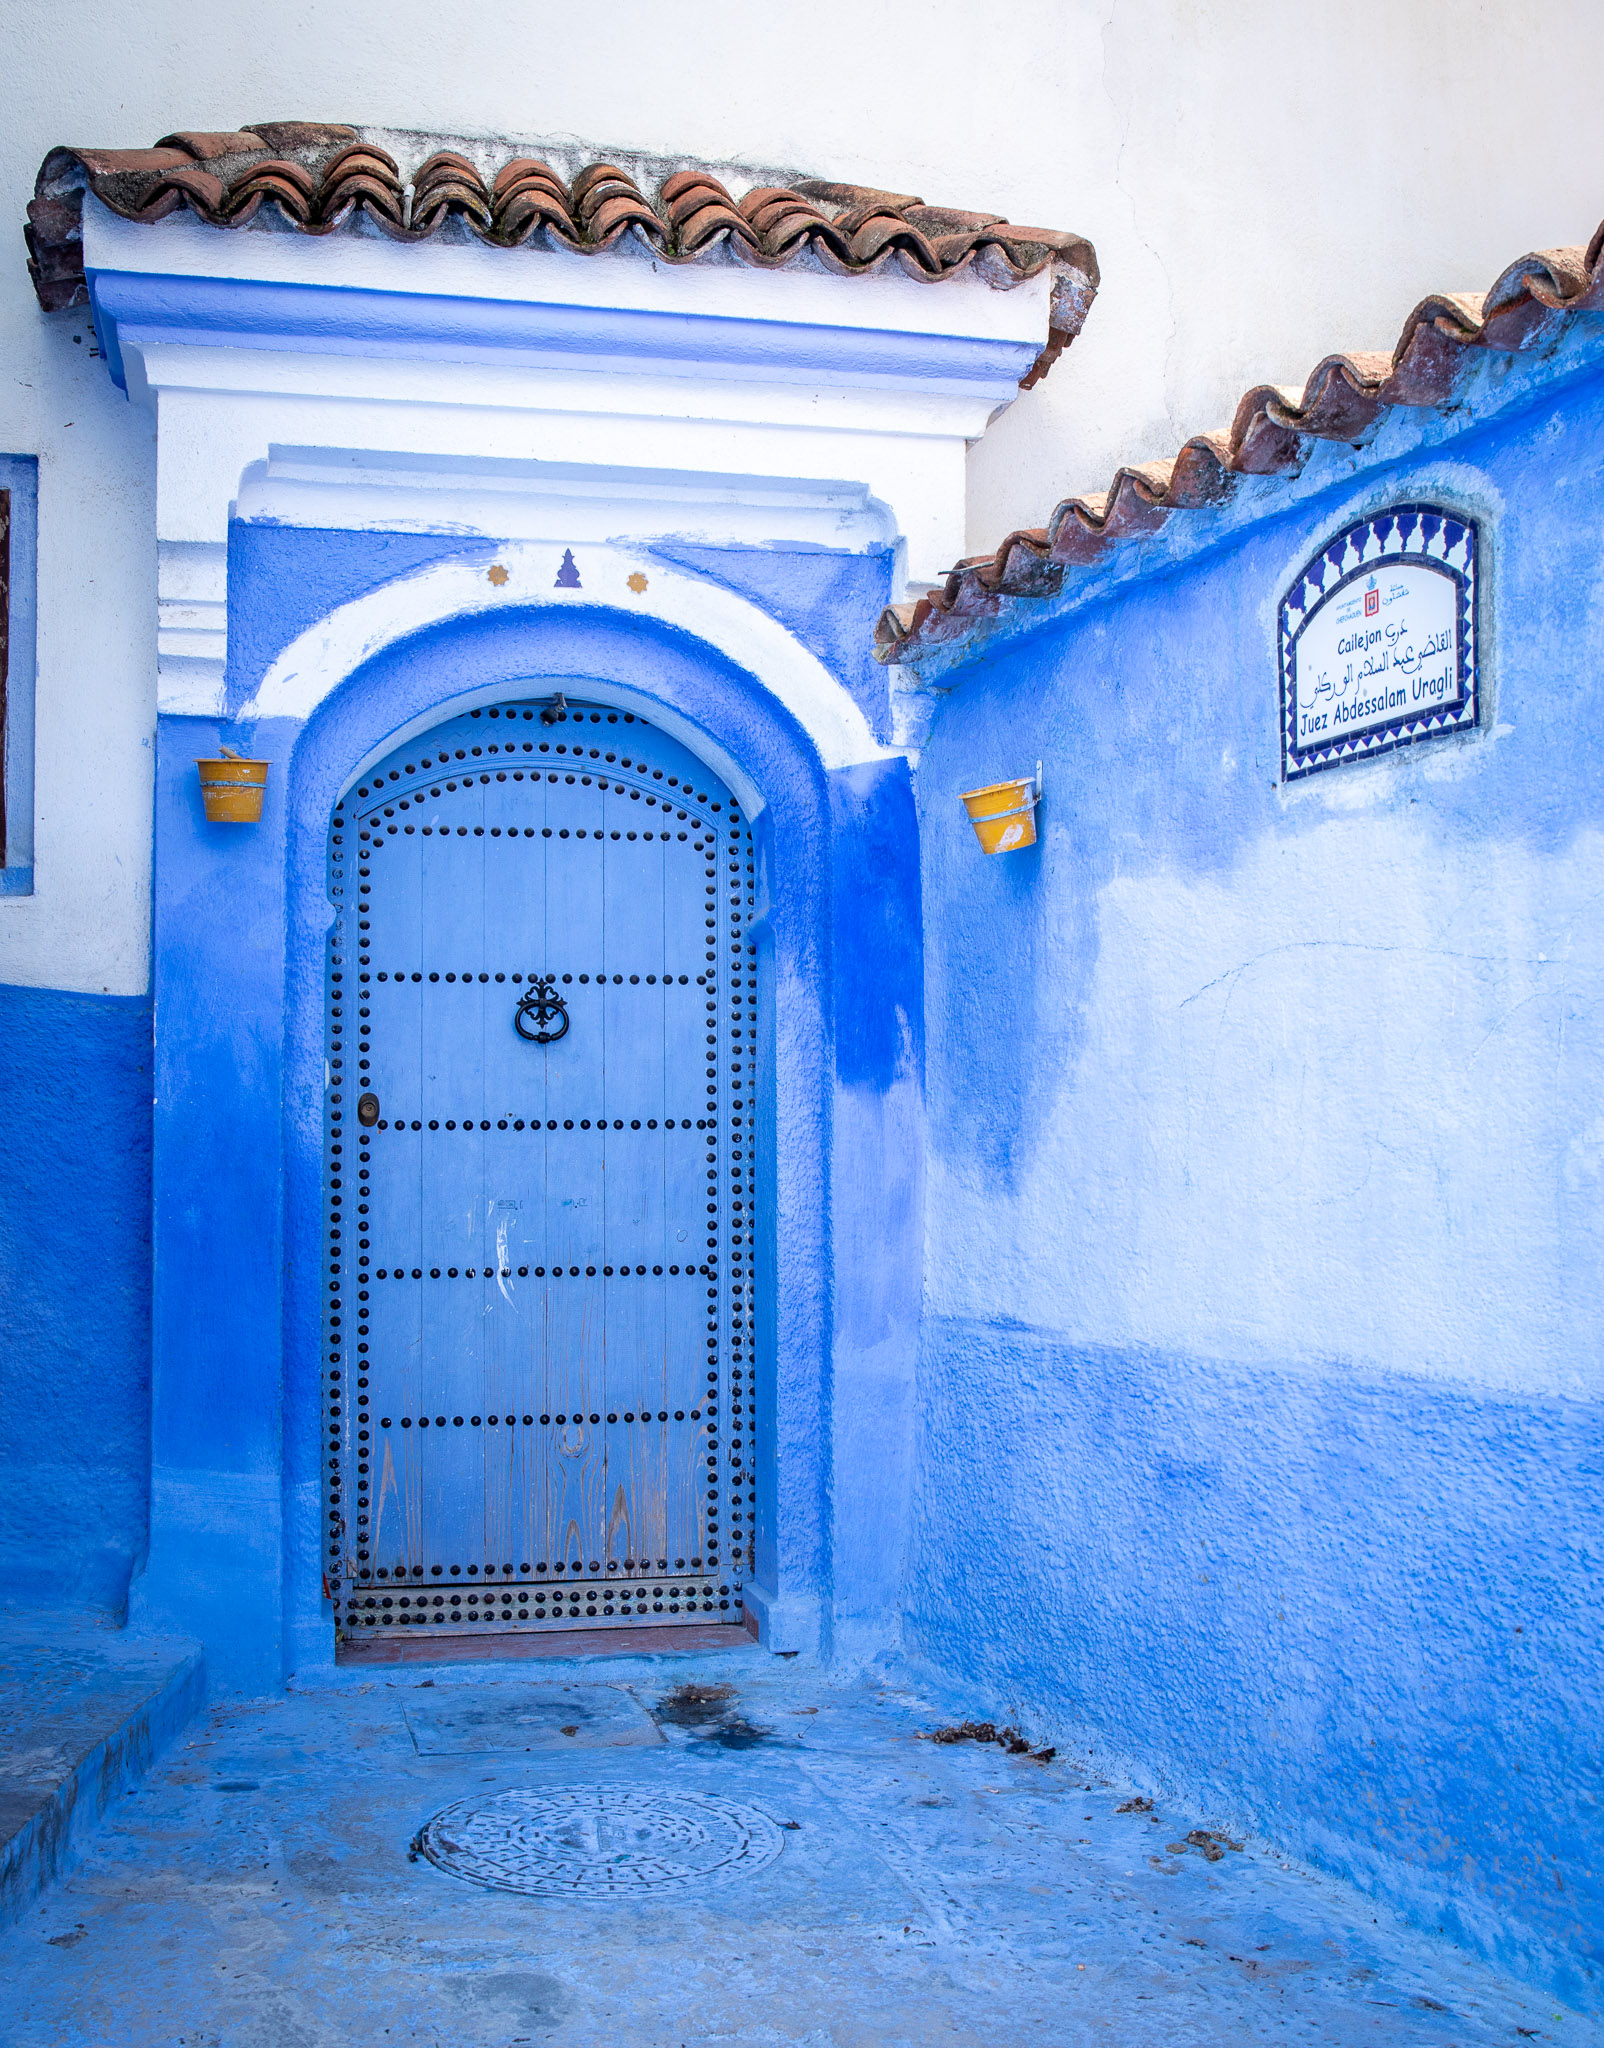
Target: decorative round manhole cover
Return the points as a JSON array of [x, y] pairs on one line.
[[593, 1844]]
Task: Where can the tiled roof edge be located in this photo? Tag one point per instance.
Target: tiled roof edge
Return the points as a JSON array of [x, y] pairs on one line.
[[1271, 435], [321, 178]]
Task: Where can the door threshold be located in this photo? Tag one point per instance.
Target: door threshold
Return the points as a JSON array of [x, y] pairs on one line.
[[515, 1645]]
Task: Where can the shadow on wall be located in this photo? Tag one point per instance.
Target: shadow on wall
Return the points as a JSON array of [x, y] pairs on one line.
[[75, 1080]]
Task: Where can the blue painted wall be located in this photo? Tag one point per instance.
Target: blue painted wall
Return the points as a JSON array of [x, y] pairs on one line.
[[830, 601], [283, 579], [240, 918], [1261, 1379], [215, 1565], [75, 1081]]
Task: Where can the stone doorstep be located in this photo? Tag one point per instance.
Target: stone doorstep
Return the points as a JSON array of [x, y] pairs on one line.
[[84, 1712], [499, 1646]]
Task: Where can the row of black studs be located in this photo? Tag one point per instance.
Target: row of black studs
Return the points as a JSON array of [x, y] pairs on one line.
[[417, 975], [369, 825], [517, 1123], [741, 1519], [639, 1567], [517, 832], [372, 1613], [512, 713], [536, 1272], [440, 1421]]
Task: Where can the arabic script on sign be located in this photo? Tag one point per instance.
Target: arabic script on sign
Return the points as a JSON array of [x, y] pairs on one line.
[[1384, 646]]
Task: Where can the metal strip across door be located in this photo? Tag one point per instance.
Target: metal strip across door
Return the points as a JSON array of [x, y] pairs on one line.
[[542, 1022]]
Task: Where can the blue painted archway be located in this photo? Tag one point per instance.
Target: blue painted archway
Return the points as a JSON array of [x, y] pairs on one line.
[[240, 920]]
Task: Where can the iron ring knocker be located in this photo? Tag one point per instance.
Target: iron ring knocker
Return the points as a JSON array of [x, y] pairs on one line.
[[543, 1004]]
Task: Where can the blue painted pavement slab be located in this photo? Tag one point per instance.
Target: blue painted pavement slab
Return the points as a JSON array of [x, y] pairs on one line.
[[792, 1863], [84, 1710]]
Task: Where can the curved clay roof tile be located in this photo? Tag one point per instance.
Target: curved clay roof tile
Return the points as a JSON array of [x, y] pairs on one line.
[[785, 224], [704, 202], [202, 146], [277, 171], [316, 137], [587, 181], [1341, 400], [448, 184], [948, 220], [286, 185], [204, 188], [362, 156], [445, 166], [112, 163], [359, 190], [709, 224], [527, 212], [852, 220], [882, 232], [956, 251], [762, 198], [685, 184], [1027, 570], [526, 171], [1032, 245], [1199, 476], [619, 211], [849, 197]]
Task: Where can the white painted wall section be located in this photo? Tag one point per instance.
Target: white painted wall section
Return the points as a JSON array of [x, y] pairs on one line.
[[1261, 184]]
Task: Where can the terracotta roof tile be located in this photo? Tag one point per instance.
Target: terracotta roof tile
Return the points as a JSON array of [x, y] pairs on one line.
[[1271, 434], [322, 178]]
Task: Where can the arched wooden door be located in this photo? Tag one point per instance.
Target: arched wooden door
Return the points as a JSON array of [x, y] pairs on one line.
[[542, 1015]]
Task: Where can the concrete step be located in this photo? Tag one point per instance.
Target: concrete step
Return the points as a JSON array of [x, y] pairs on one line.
[[84, 1711]]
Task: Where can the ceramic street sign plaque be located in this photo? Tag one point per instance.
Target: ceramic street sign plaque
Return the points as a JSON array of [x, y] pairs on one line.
[[1378, 640]]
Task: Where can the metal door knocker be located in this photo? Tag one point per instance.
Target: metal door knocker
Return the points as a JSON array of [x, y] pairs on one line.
[[543, 1004]]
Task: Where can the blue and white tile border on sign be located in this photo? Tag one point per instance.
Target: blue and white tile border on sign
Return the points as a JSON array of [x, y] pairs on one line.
[[1428, 535]]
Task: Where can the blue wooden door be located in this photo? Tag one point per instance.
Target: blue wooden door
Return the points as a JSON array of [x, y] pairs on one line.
[[542, 1014]]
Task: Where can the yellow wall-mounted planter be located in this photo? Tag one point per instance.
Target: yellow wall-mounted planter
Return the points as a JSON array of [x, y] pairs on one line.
[[1004, 813], [231, 789]]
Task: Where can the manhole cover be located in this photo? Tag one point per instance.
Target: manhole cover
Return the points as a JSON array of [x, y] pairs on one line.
[[595, 1844]]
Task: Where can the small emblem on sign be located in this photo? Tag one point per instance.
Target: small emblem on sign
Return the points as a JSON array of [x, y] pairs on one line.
[[1378, 640]]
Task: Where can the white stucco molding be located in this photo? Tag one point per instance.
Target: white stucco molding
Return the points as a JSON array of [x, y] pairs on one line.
[[242, 341], [322, 657], [222, 409], [475, 389]]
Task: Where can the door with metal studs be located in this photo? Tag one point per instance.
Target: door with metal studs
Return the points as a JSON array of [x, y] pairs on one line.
[[542, 1011]]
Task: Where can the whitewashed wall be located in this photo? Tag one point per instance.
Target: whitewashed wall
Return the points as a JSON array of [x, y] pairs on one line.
[[1263, 182]]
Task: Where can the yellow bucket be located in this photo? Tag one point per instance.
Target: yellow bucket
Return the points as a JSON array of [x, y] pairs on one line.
[[231, 790], [1004, 814]]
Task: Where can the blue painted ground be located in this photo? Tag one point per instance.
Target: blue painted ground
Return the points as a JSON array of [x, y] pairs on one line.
[[83, 1709], [257, 1891]]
